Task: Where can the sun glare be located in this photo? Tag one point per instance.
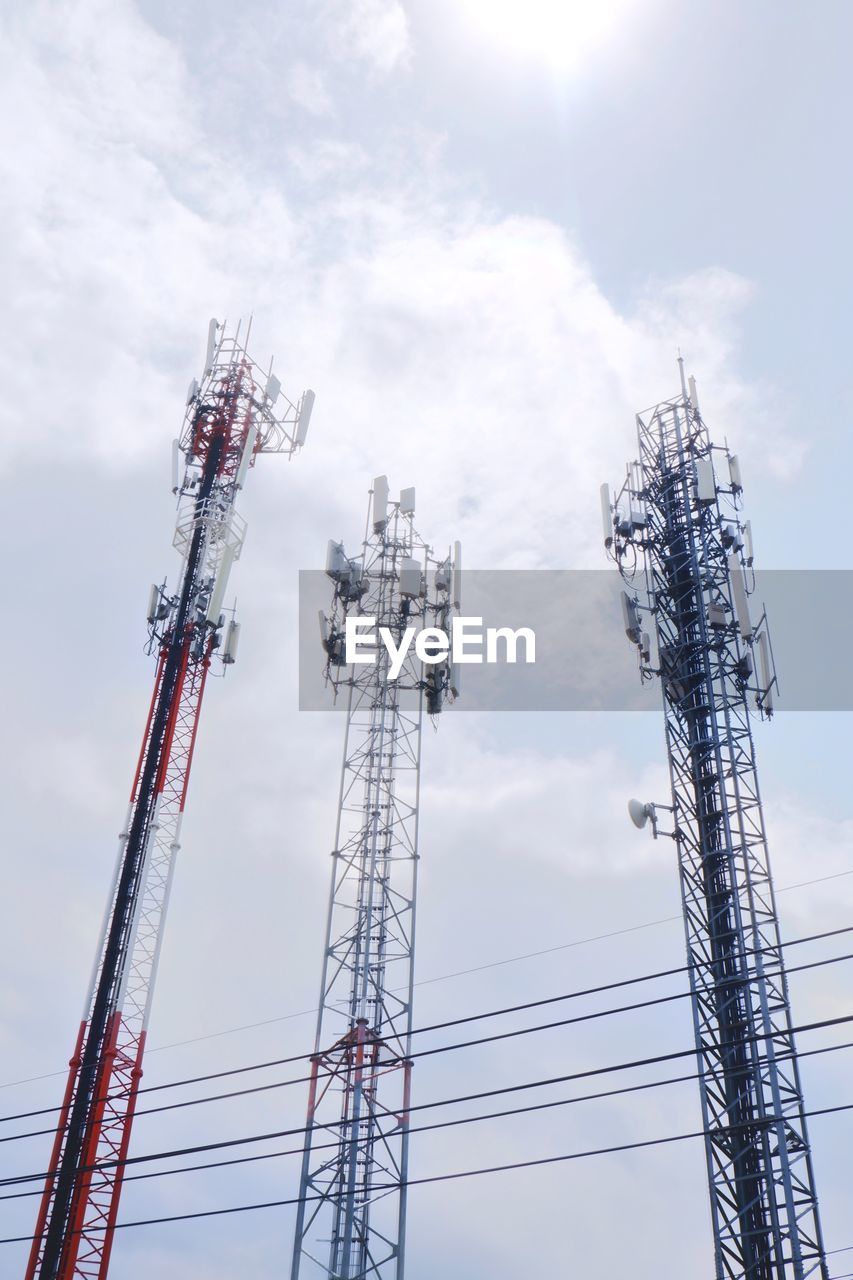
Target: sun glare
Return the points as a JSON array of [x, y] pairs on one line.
[[560, 32]]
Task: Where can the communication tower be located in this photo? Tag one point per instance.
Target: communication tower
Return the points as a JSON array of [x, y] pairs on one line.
[[234, 413], [351, 1219], [677, 535]]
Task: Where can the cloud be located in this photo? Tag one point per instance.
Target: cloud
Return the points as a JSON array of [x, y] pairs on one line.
[[468, 350], [307, 88], [806, 845], [460, 347], [376, 31], [703, 312], [569, 812]]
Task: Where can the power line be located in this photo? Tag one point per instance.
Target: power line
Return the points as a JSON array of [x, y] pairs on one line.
[[453, 1176], [602, 1013], [424, 1053], [471, 1097], [218, 1164], [504, 1035], [494, 1115], [624, 982], [304, 1013], [443, 977], [438, 1026]]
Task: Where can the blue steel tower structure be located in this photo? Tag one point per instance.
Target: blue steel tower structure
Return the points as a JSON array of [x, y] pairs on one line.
[[678, 538]]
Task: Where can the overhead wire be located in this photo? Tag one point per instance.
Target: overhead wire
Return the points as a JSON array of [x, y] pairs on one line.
[[453, 1175], [272, 1155], [442, 1102], [438, 1026], [445, 977], [424, 1053]]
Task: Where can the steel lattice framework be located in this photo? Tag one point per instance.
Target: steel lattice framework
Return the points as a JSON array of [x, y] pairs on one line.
[[351, 1219], [678, 526], [234, 414]]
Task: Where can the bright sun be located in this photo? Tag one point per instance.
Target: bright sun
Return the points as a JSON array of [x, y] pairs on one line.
[[560, 32]]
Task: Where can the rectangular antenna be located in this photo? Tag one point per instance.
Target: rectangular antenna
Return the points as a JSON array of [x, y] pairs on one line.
[[229, 555], [211, 345], [630, 618], [741, 600], [176, 465], [411, 577], [706, 488], [303, 416], [380, 502], [232, 641], [245, 460], [765, 672], [337, 565], [457, 575]]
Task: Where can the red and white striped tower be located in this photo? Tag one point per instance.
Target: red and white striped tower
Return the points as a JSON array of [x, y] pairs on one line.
[[234, 413]]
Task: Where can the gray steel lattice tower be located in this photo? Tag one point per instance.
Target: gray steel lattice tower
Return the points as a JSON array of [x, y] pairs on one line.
[[351, 1219], [676, 530]]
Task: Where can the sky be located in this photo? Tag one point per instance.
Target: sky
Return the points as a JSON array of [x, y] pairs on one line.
[[480, 232]]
